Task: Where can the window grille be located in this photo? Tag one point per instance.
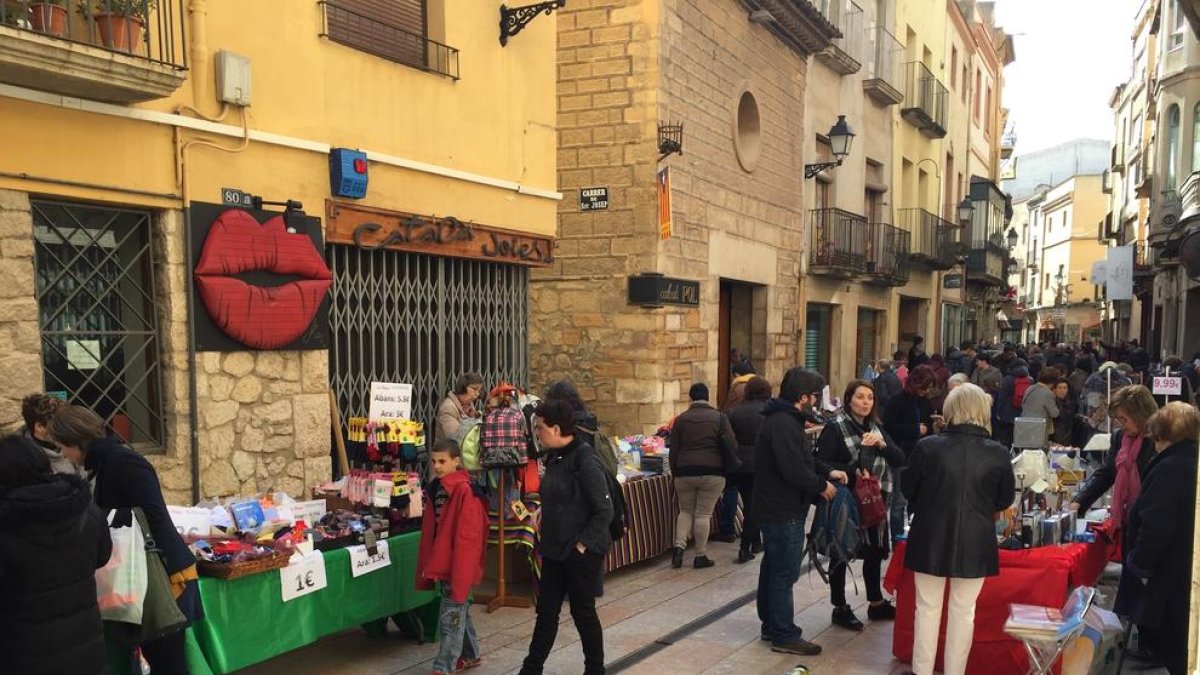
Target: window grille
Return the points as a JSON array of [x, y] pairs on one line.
[[95, 274]]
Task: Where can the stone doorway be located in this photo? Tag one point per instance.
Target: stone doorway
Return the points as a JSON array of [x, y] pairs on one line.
[[742, 327]]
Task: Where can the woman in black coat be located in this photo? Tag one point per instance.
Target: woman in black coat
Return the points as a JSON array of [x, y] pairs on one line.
[[123, 480], [1156, 580], [956, 482], [908, 418], [856, 444], [746, 419], [52, 541], [573, 527]]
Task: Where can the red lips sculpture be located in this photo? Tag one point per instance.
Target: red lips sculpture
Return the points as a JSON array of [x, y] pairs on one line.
[[260, 317]]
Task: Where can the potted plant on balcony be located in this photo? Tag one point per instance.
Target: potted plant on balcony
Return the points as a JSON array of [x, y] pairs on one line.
[[120, 22], [14, 13], [49, 16]]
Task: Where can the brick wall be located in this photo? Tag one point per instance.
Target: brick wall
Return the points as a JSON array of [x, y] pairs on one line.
[[622, 67]]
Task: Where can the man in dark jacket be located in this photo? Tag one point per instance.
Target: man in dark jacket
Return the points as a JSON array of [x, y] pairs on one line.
[[787, 479], [702, 448], [887, 383]]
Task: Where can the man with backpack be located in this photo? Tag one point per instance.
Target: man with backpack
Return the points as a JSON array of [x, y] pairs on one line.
[[787, 479]]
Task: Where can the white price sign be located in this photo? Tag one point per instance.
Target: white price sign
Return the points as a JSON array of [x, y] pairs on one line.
[[390, 400], [362, 562], [310, 512], [191, 521], [1170, 386], [304, 575]]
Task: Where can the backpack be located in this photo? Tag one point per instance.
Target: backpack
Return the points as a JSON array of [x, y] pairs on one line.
[[606, 450], [616, 526], [1020, 386], [468, 437], [835, 533]]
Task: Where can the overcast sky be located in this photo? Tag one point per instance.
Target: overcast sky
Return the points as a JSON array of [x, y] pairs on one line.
[[1071, 54]]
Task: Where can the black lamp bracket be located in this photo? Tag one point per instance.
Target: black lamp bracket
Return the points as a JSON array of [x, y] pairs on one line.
[[512, 20], [811, 170]]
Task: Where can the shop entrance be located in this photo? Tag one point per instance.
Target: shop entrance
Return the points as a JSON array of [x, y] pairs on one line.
[[423, 320], [742, 327], [912, 318]]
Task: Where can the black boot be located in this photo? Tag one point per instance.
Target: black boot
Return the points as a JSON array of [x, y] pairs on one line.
[[844, 616], [744, 556], [702, 562], [676, 557]]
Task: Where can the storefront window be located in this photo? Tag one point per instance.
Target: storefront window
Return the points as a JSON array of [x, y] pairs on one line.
[[95, 290]]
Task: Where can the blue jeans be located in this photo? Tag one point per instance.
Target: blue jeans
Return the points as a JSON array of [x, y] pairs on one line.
[[783, 547], [458, 633], [897, 505]]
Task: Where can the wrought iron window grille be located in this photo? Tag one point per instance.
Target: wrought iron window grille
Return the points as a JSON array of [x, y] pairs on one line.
[[95, 278]]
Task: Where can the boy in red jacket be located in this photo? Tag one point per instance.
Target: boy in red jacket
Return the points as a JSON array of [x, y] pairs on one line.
[[453, 536]]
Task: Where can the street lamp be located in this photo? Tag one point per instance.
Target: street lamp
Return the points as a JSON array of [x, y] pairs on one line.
[[1012, 267], [1012, 239], [966, 211], [840, 140]]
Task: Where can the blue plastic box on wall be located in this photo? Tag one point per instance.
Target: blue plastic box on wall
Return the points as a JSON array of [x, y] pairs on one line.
[[348, 173]]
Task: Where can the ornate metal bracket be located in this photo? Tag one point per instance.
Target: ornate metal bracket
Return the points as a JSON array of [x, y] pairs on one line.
[[514, 19], [811, 170]]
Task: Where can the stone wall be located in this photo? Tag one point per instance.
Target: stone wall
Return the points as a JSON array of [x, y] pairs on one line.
[[264, 418], [624, 65]]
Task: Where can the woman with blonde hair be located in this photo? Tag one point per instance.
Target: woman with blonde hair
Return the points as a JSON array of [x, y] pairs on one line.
[[1128, 459], [1157, 576], [955, 483]]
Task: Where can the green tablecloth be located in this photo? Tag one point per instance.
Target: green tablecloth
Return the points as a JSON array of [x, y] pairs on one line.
[[246, 620]]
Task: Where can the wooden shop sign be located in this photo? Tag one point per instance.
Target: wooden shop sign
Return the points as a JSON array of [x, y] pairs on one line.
[[370, 228], [655, 290]]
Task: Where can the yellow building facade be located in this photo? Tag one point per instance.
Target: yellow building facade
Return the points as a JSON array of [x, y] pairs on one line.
[[109, 144]]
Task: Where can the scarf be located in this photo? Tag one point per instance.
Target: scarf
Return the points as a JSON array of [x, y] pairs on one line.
[[861, 455], [1128, 484]]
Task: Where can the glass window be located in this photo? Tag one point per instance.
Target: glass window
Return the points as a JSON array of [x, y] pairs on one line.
[[1196, 138], [1172, 146], [1178, 27]]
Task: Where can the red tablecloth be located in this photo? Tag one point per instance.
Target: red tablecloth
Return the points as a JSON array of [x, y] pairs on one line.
[[1040, 576]]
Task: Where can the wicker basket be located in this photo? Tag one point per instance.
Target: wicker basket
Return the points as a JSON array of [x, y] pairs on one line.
[[236, 570]]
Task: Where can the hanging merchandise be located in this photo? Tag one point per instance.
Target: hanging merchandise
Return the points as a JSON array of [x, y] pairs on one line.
[[505, 436]]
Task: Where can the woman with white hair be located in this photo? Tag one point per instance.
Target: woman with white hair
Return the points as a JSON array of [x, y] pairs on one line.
[[956, 482]]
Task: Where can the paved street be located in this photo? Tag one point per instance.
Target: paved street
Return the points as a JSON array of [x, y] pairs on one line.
[[641, 604]]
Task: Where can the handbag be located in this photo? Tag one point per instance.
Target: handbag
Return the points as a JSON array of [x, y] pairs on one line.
[[161, 615], [872, 510]]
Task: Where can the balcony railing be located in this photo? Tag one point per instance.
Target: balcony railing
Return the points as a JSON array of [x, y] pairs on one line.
[[1117, 160], [1008, 144], [986, 265], [925, 100], [845, 54], [387, 40], [1143, 263], [121, 51], [884, 81], [934, 240], [839, 243], [887, 256]]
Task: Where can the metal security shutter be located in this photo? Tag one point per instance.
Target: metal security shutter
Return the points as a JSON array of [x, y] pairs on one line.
[[867, 338], [816, 339], [424, 320], [390, 29]]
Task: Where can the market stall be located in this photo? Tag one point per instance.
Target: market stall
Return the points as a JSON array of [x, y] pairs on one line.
[[1036, 576], [249, 620]]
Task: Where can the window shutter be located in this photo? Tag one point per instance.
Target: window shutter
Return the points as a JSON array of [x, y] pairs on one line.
[[390, 29]]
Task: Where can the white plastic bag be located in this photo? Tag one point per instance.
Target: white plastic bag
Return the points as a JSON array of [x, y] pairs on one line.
[[121, 584]]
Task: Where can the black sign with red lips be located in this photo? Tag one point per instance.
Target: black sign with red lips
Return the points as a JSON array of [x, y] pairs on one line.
[[256, 285]]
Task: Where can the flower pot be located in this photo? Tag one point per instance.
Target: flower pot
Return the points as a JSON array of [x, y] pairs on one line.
[[119, 32], [48, 18]]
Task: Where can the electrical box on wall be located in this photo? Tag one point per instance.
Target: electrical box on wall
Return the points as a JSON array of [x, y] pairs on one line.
[[348, 173], [233, 78]]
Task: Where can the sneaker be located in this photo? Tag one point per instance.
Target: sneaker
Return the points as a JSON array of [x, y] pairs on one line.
[[676, 557], [884, 612], [798, 646], [844, 616], [744, 556], [466, 664], [701, 562]]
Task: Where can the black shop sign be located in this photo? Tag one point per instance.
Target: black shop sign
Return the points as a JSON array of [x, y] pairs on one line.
[[656, 290]]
